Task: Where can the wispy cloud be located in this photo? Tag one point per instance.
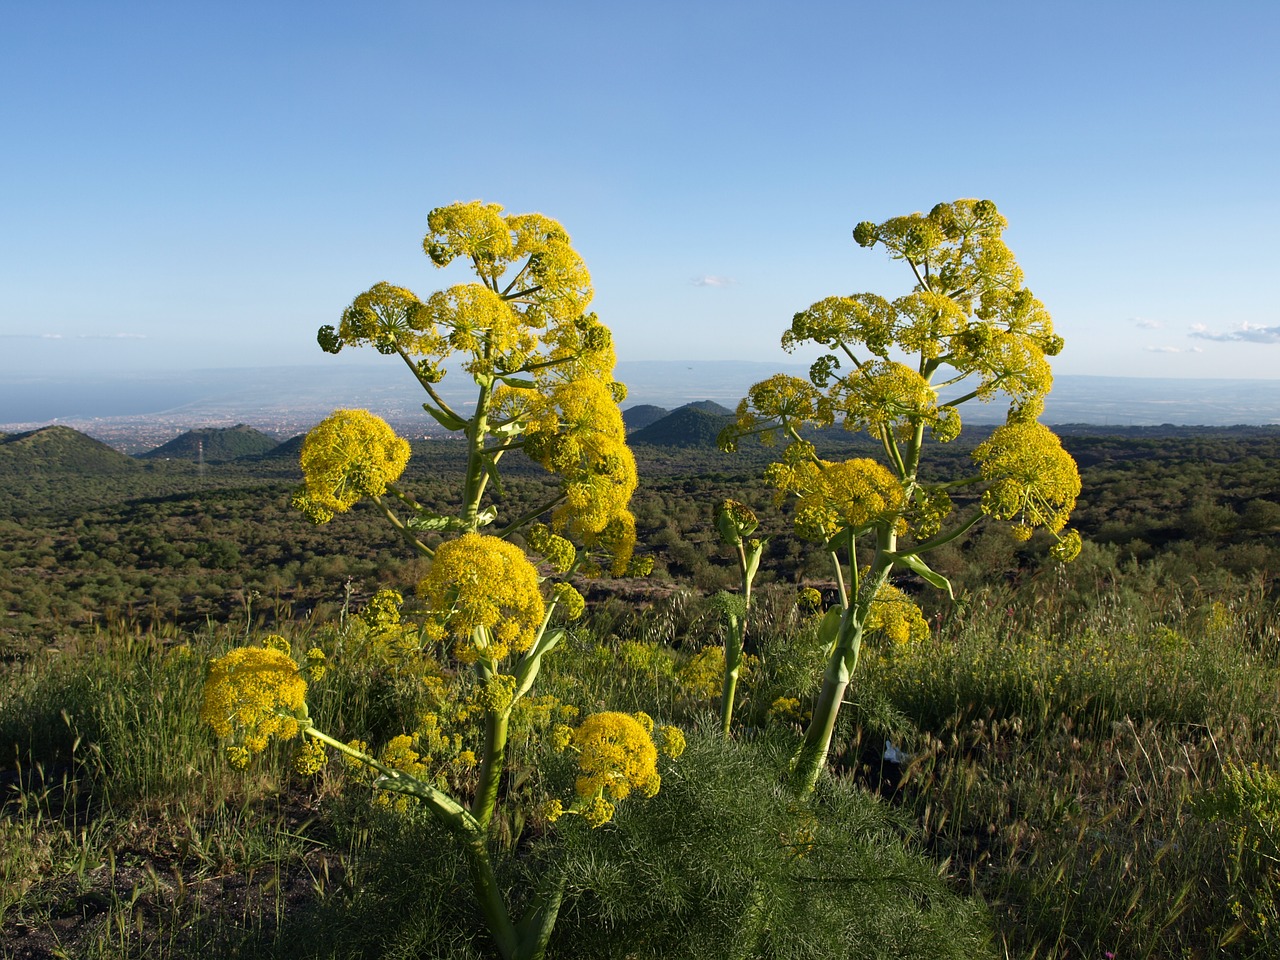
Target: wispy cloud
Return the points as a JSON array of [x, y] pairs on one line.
[[79, 336], [711, 280], [1246, 332], [1147, 324], [1174, 349]]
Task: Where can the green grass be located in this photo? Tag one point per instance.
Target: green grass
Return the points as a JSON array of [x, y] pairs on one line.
[[1080, 784]]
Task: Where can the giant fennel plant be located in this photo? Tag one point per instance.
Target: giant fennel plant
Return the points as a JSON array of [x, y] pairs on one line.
[[542, 369], [900, 370]]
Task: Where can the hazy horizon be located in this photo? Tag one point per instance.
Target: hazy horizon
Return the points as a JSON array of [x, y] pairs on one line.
[[303, 391]]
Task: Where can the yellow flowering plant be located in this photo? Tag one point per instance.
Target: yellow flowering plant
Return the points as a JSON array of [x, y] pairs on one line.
[[541, 366], [900, 370]]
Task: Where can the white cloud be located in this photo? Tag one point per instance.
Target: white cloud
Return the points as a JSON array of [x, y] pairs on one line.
[[81, 336], [711, 280], [1146, 324], [1246, 332], [1174, 349]]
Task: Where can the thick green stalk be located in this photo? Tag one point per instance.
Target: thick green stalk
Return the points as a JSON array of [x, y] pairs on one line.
[[469, 829], [842, 663], [736, 634], [495, 754], [732, 669], [477, 471], [485, 885]]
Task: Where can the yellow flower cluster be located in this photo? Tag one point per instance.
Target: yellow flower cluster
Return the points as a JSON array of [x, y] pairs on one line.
[[786, 710], [1033, 480], [702, 678], [399, 754], [895, 615], [555, 549], [616, 754], [969, 312], [778, 402], [484, 593], [571, 603], [575, 429], [863, 318], [809, 599], [846, 495], [310, 758], [499, 325], [884, 394], [254, 694], [671, 742], [349, 455]]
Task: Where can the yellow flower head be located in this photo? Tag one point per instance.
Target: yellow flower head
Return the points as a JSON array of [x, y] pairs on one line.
[[616, 754], [671, 741], [776, 402], [572, 604], [484, 592], [385, 317], [253, 694], [349, 455], [895, 615], [851, 494], [556, 550], [884, 394], [310, 758], [1033, 480], [809, 599]]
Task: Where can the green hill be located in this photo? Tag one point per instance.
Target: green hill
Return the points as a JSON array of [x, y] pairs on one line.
[[640, 416], [59, 450], [291, 449], [219, 445], [690, 426], [710, 406]]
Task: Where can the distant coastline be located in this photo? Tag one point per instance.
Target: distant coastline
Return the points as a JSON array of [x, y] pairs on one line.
[[285, 399]]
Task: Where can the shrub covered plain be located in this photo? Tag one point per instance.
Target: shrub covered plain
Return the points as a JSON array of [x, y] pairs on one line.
[[1089, 750]]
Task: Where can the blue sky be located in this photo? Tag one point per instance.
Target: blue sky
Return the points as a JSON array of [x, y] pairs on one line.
[[195, 185]]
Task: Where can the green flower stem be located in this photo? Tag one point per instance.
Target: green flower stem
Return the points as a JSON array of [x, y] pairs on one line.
[[735, 637], [527, 518], [842, 663], [485, 885], [496, 722], [466, 827], [407, 534], [477, 472], [426, 385], [452, 813], [732, 669]]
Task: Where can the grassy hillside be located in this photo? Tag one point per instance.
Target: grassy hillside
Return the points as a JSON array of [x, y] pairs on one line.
[[56, 451]]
